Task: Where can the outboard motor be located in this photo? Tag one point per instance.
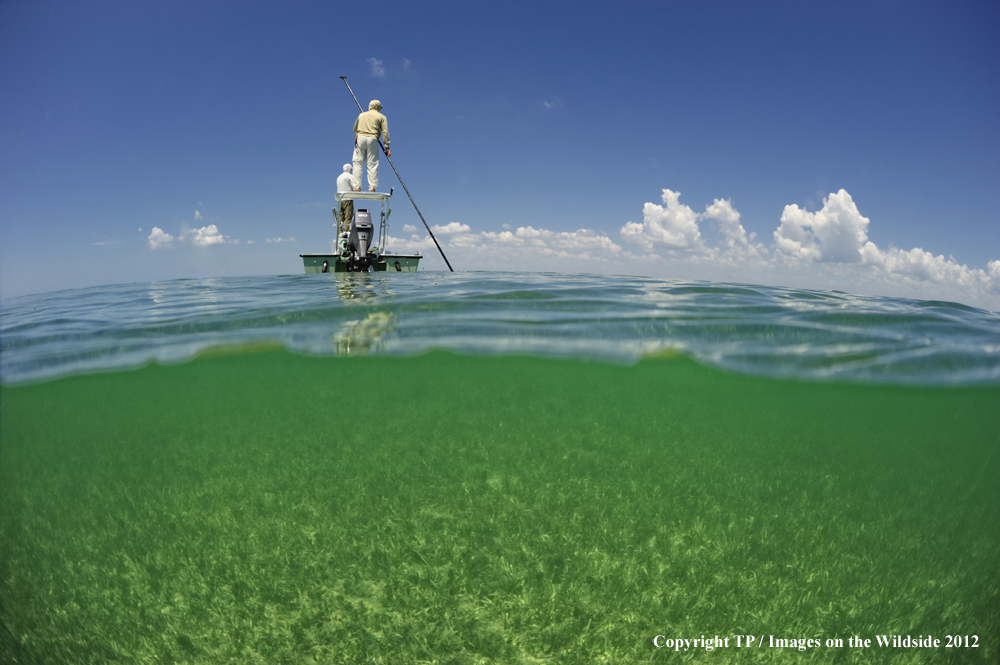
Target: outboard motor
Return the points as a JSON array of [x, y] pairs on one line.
[[362, 232]]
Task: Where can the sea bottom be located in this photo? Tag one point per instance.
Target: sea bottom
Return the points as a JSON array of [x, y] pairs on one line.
[[265, 507]]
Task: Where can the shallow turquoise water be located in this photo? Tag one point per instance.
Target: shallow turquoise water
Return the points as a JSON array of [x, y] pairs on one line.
[[749, 329], [606, 460]]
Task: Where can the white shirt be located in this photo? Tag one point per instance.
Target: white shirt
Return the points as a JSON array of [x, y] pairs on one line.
[[345, 183]]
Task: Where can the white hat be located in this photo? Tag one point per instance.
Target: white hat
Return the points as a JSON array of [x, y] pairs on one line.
[[348, 168]]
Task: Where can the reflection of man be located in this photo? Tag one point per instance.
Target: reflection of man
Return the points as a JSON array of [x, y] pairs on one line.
[[345, 183], [367, 128]]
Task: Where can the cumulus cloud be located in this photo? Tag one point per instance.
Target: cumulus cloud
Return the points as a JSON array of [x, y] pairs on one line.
[[205, 236], [994, 276], [280, 240], [377, 68], [919, 265], [583, 243], [201, 237], [526, 247], [197, 215], [158, 239], [826, 249], [735, 238], [452, 227], [832, 242], [672, 225], [836, 233], [675, 227]]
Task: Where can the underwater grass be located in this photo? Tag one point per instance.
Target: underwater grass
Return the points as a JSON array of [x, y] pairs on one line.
[[269, 508]]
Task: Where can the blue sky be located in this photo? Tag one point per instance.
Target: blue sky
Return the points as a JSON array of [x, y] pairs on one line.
[[839, 145]]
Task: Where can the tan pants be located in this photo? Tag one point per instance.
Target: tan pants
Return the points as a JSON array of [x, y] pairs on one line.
[[366, 153], [346, 216]]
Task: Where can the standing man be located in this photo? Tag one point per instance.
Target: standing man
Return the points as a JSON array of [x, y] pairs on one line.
[[367, 128], [345, 183]]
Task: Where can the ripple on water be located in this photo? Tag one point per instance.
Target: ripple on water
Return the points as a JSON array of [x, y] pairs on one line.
[[763, 330]]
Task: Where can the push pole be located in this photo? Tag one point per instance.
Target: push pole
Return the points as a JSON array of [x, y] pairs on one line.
[[344, 79]]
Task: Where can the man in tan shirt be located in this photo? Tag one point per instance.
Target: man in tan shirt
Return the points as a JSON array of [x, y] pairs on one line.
[[367, 128]]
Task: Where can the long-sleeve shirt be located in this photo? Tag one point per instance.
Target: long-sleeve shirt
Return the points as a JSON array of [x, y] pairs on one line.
[[373, 123], [345, 182]]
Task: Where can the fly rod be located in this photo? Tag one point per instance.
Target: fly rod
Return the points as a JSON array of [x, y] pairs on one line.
[[344, 79]]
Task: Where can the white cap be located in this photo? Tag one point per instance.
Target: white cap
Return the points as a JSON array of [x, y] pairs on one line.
[[348, 168]]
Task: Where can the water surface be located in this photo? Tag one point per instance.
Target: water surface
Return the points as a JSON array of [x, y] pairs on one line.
[[493, 468]]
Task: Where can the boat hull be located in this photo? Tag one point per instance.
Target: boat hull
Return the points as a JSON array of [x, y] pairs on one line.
[[313, 263]]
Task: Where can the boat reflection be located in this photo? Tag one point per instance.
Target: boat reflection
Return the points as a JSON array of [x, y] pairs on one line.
[[366, 335], [362, 287]]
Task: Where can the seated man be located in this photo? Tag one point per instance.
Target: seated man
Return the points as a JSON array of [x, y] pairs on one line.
[[345, 183]]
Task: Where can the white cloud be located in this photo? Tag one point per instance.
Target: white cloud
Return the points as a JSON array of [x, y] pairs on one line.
[[550, 103], [452, 227], [407, 65], [525, 248], [582, 243], [673, 246], [158, 239], [836, 233], [205, 236], [994, 276], [824, 249], [919, 265], [377, 68], [102, 243], [280, 240], [674, 226], [415, 243], [737, 242], [197, 215]]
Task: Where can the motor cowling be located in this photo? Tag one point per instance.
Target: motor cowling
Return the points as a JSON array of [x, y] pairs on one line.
[[362, 232]]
